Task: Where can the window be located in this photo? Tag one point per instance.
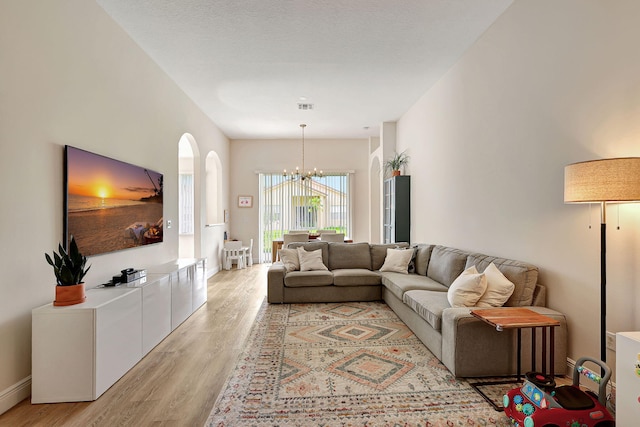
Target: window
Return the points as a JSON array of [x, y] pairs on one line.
[[306, 209], [310, 204], [185, 201]]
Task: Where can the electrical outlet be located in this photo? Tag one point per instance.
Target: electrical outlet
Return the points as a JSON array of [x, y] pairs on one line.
[[168, 223], [611, 341]]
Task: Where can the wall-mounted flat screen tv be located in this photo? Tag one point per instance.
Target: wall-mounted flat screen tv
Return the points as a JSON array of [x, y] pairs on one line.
[[110, 205]]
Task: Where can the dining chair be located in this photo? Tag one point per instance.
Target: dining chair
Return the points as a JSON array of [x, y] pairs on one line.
[[332, 237], [325, 231], [248, 254], [233, 250], [294, 237]]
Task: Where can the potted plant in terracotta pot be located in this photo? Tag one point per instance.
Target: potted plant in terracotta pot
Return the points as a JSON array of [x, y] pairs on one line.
[[397, 162], [69, 270]]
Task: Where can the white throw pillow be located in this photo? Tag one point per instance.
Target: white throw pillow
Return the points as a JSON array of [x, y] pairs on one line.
[[397, 260], [289, 258], [311, 260], [467, 289], [499, 288]]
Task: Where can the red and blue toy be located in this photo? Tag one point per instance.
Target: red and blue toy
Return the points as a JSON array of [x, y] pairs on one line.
[[539, 403]]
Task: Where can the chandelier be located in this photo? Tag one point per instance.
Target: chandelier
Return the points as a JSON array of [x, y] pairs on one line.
[[300, 173]]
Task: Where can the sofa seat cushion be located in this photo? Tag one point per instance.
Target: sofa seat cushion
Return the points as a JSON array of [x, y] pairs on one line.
[[523, 275], [299, 279], [399, 283], [355, 277], [349, 255], [428, 304]]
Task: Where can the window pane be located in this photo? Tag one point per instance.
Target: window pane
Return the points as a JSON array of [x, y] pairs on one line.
[[185, 204]]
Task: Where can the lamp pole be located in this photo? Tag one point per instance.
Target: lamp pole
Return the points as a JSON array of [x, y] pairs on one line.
[[603, 281]]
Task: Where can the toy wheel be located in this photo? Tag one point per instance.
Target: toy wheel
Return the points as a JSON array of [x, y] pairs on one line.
[[541, 380]]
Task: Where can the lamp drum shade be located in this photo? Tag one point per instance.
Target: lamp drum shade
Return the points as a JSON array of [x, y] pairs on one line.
[[606, 180]]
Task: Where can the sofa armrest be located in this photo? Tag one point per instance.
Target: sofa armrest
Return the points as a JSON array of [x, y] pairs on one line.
[[275, 283], [472, 348]]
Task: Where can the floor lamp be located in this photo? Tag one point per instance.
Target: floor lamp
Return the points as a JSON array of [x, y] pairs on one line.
[[603, 181]]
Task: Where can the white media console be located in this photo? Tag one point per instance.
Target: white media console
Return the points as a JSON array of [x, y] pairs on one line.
[[81, 350]]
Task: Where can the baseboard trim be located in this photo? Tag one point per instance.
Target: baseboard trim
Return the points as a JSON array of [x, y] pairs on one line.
[[212, 271], [15, 394]]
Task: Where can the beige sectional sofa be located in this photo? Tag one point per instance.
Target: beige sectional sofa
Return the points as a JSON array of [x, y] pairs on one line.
[[467, 346]]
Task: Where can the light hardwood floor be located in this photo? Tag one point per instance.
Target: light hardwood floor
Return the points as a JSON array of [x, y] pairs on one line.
[[177, 383]]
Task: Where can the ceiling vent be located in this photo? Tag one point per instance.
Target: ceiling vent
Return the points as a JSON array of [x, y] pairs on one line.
[[305, 106]]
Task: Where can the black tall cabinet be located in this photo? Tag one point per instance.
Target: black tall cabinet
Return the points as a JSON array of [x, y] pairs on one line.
[[397, 209]]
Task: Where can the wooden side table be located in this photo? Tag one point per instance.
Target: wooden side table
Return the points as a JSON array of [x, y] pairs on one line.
[[520, 318]]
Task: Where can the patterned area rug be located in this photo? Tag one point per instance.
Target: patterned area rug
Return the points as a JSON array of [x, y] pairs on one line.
[[347, 364]]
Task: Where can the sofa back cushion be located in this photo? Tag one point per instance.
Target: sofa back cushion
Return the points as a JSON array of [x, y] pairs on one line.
[[313, 246], [349, 255], [524, 276], [423, 254], [446, 264], [379, 253]]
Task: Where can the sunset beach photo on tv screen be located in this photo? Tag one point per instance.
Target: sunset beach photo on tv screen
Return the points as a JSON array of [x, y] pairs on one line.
[[110, 204]]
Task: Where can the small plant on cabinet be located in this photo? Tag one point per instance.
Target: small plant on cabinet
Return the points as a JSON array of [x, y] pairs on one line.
[[396, 163], [69, 269]]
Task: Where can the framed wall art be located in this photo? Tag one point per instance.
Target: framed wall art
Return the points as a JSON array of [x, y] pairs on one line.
[[245, 201], [110, 205]]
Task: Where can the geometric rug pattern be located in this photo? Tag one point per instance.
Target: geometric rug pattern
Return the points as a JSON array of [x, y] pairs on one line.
[[343, 364]]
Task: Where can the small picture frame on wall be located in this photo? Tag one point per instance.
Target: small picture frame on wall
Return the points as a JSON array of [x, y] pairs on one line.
[[245, 201]]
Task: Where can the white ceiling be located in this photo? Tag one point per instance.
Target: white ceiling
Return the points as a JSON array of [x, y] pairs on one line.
[[248, 63]]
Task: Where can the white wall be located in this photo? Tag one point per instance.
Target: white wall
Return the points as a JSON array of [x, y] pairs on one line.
[[550, 83], [70, 75], [250, 156]]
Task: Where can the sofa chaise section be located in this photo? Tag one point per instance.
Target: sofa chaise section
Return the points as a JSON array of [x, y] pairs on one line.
[[466, 345]]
